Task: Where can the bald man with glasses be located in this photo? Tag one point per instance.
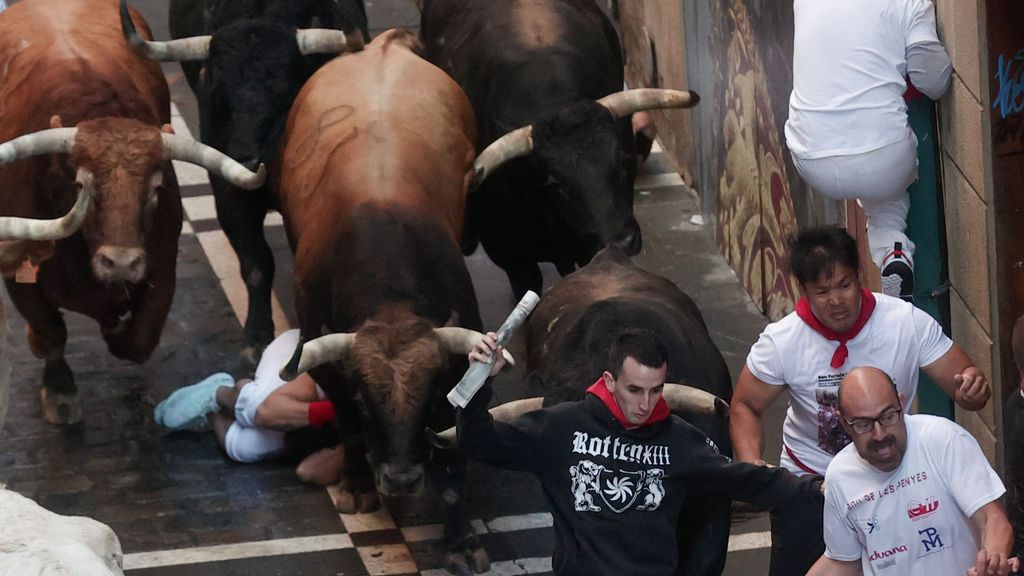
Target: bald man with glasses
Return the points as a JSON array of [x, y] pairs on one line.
[[912, 494]]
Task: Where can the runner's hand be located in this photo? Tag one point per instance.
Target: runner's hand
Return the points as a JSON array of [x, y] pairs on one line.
[[485, 350], [972, 387], [992, 564]]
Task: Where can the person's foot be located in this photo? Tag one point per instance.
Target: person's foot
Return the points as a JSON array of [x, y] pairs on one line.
[[898, 274], [186, 408]]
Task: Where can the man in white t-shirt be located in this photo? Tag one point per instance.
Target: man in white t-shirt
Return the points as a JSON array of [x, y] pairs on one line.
[[911, 495], [847, 126], [836, 327]]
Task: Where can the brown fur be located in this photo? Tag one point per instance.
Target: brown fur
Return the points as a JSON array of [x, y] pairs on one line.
[[398, 360]]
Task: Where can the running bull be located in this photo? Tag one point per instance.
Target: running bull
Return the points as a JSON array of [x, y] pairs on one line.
[[65, 63], [376, 159], [566, 187], [245, 61]]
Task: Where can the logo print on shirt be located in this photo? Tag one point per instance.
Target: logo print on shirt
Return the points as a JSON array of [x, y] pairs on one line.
[[618, 491], [931, 540], [919, 510], [873, 524]]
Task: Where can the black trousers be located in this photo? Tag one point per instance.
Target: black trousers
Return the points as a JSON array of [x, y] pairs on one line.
[[1013, 442], [797, 540]]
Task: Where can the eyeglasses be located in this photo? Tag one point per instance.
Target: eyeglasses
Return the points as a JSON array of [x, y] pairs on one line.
[[885, 419]]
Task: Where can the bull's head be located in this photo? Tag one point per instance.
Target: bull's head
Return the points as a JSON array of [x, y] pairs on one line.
[[591, 171], [250, 73], [120, 163], [395, 365]]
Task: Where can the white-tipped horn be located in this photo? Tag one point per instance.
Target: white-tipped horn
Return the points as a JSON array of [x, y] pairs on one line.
[[622, 104], [516, 143], [177, 147], [32, 229], [49, 141], [692, 400], [182, 49], [322, 350], [327, 41], [463, 340], [506, 412]]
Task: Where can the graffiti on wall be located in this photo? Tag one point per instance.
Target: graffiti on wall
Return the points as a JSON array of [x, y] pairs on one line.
[[755, 206], [1008, 103]]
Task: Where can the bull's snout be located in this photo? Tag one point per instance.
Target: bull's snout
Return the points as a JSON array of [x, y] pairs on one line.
[[395, 480], [630, 240], [116, 264]]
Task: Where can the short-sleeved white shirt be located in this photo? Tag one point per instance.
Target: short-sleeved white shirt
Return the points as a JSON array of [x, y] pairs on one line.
[[898, 339], [915, 519], [849, 63]]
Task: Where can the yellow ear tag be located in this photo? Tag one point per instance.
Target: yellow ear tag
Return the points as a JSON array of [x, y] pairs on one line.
[[26, 273]]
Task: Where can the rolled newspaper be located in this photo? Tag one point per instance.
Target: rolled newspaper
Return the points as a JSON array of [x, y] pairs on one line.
[[477, 373]]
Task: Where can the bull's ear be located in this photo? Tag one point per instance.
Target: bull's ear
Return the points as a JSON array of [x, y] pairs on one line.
[[167, 129], [55, 121]]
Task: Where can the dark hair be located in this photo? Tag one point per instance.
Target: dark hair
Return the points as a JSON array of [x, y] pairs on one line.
[[816, 251], [640, 345]]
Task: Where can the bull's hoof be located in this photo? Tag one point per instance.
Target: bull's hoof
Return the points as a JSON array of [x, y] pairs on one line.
[[347, 501], [467, 562], [61, 409]]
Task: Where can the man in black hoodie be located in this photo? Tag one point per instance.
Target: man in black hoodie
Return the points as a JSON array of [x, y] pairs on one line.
[[616, 466]]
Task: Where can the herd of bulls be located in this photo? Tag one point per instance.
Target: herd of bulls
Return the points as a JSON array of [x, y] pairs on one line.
[[502, 124]]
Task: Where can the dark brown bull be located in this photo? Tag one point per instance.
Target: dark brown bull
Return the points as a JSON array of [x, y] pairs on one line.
[[376, 158], [64, 62]]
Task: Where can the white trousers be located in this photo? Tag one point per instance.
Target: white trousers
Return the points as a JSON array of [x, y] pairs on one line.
[[245, 441], [878, 180]]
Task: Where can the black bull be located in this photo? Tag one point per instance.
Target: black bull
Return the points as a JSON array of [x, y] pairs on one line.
[[568, 191], [568, 339]]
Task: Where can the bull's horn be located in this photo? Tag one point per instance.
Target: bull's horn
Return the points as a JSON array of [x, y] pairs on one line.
[[194, 48], [177, 147], [318, 351], [622, 104], [516, 143], [692, 400], [463, 340], [32, 229], [327, 41], [506, 412], [49, 141]]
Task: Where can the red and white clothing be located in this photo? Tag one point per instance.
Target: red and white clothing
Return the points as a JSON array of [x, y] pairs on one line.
[[915, 519], [897, 338]]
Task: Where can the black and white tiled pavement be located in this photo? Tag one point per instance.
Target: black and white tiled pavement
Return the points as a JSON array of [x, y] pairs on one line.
[[180, 507]]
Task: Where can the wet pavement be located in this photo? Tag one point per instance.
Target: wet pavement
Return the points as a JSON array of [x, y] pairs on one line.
[[180, 506]]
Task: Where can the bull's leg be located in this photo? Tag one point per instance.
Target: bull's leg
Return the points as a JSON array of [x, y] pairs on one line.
[[523, 275], [241, 217], [464, 554], [357, 492], [47, 335]]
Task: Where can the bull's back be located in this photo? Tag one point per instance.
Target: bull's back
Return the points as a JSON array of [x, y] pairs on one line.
[[54, 53], [381, 126]]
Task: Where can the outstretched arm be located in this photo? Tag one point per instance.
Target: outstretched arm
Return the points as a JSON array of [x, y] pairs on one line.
[[996, 541]]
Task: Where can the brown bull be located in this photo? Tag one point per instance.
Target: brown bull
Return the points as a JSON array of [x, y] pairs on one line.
[[65, 63], [376, 159]]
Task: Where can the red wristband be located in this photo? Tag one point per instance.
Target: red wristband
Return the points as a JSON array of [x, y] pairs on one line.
[[321, 412]]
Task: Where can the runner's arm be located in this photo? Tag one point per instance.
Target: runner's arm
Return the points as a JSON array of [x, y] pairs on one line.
[[960, 379], [996, 539], [751, 398]]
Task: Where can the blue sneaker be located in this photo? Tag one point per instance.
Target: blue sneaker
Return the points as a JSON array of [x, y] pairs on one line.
[[186, 408]]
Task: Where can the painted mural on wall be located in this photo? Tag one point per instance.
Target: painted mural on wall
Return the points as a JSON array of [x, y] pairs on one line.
[[756, 182]]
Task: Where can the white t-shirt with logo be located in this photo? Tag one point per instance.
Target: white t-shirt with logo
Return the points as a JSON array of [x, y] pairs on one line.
[[916, 519], [898, 339], [849, 63]]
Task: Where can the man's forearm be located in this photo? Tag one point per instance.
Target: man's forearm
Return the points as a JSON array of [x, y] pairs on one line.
[[747, 432]]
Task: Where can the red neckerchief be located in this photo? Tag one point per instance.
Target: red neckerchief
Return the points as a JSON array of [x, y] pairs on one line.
[[867, 306], [659, 413]]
